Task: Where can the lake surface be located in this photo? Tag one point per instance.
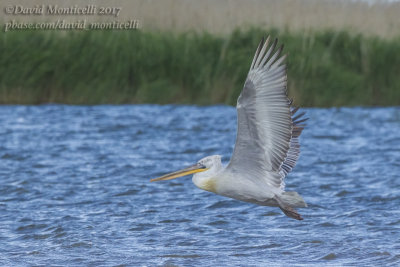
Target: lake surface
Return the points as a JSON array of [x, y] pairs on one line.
[[75, 190]]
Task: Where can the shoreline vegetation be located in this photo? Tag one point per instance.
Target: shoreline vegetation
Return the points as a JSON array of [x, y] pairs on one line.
[[325, 67]]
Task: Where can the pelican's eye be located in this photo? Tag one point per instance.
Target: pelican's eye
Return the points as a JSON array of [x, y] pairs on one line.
[[202, 165]]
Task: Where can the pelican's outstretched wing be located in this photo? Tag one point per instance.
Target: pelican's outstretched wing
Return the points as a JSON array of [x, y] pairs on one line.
[[267, 145]]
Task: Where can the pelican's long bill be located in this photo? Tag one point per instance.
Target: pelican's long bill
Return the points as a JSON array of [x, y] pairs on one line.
[[189, 170]]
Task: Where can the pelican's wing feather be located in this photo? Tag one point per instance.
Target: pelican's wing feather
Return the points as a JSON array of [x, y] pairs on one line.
[[267, 142]]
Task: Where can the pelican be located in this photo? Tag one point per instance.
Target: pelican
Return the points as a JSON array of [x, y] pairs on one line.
[[267, 141]]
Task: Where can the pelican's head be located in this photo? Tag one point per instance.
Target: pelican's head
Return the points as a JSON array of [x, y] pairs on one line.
[[212, 163], [209, 165]]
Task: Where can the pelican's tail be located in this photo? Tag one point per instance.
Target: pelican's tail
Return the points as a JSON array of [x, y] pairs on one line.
[[293, 199], [287, 201]]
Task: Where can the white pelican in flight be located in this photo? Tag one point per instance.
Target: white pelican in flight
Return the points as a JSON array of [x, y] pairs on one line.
[[267, 141]]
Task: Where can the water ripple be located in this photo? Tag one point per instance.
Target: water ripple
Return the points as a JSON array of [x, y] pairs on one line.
[[74, 190]]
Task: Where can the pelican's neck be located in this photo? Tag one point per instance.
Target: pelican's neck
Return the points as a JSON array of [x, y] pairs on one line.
[[206, 183]]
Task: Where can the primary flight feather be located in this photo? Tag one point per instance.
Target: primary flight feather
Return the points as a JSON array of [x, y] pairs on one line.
[[267, 141]]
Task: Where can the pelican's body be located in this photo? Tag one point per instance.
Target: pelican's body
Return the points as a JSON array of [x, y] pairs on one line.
[[222, 181], [233, 185], [267, 145]]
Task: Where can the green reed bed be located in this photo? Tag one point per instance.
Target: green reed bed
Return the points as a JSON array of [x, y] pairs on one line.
[[325, 68]]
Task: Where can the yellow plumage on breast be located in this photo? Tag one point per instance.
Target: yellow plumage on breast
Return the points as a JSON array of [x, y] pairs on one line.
[[209, 185]]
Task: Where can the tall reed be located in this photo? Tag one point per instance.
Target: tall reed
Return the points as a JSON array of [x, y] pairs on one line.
[[325, 68]]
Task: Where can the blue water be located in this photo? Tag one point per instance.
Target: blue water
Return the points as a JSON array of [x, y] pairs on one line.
[[75, 190]]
